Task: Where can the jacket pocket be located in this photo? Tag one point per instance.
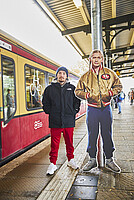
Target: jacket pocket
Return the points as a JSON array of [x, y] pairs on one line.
[[105, 97], [93, 98], [69, 110]]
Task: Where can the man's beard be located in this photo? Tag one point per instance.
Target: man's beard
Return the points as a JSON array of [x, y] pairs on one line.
[[61, 81]]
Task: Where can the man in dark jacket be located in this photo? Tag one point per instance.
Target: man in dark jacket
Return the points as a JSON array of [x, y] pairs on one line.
[[60, 102], [119, 100]]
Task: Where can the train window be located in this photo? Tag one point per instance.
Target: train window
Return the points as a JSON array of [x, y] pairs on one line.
[[35, 85], [50, 78], [8, 80]]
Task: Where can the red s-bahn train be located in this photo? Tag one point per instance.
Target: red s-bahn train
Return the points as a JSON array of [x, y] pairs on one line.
[[24, 74]]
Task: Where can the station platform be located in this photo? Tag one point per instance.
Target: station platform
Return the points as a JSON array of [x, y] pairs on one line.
[[24, 178]]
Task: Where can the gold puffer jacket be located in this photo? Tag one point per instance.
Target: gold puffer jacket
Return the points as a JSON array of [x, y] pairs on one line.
[[99, 89]]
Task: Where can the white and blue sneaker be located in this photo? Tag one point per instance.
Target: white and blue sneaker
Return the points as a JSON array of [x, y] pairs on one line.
[[73, 164], [51, 169], [111, 165], [90, 165]]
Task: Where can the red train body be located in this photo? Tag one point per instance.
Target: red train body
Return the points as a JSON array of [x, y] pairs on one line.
[[22, 122]]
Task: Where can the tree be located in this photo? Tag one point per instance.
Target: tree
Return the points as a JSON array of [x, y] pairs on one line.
[[80, 68]]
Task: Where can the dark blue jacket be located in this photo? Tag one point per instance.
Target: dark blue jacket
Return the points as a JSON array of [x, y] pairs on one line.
[[61, 104], [119, 98]]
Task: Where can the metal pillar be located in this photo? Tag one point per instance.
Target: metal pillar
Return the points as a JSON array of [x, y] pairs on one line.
[[108, 47], [96, 29], [96, 24]]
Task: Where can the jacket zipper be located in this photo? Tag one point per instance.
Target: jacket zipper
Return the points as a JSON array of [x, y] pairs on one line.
[[99, 90]]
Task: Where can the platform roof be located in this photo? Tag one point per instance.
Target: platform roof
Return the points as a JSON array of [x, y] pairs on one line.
[[74, 22]]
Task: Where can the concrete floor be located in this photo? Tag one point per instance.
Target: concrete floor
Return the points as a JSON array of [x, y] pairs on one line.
[[113, 186], [25, 177]]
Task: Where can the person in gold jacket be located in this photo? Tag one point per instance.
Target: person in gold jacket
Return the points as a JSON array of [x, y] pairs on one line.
[[97, 86]]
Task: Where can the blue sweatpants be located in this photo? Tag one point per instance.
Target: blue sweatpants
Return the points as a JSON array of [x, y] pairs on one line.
[[102, 116]]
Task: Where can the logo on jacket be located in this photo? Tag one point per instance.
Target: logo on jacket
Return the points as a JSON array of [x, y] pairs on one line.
[[69, 88], [105, 76]]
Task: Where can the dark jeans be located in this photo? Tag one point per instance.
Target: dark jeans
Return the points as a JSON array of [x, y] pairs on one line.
[[102, 116]]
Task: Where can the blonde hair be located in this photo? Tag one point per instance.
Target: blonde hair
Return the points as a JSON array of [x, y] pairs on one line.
[[96, 51]]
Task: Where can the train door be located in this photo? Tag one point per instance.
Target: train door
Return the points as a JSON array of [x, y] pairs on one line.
[[33, 121], [10, 130]]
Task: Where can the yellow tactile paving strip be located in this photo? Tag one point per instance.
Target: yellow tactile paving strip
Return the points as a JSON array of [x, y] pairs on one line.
[[61, 183], [27, 178]]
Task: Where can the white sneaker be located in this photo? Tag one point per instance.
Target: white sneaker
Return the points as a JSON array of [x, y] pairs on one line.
[[72, 164], [90, 164], [110, 164], [51, 169]]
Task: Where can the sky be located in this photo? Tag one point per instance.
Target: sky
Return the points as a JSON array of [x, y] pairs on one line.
[[25, 21]]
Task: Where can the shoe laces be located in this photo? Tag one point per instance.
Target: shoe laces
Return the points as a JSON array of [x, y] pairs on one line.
[[90, 162]]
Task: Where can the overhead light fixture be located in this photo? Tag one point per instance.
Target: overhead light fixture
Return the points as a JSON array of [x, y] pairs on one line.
[[45, 7], [78, 3], [49, 13]]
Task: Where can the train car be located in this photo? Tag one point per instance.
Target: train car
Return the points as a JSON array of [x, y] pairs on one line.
[[24, 74]]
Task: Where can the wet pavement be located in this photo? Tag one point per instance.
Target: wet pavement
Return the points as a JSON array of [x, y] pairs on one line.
[[113, 186], [25, 177]]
